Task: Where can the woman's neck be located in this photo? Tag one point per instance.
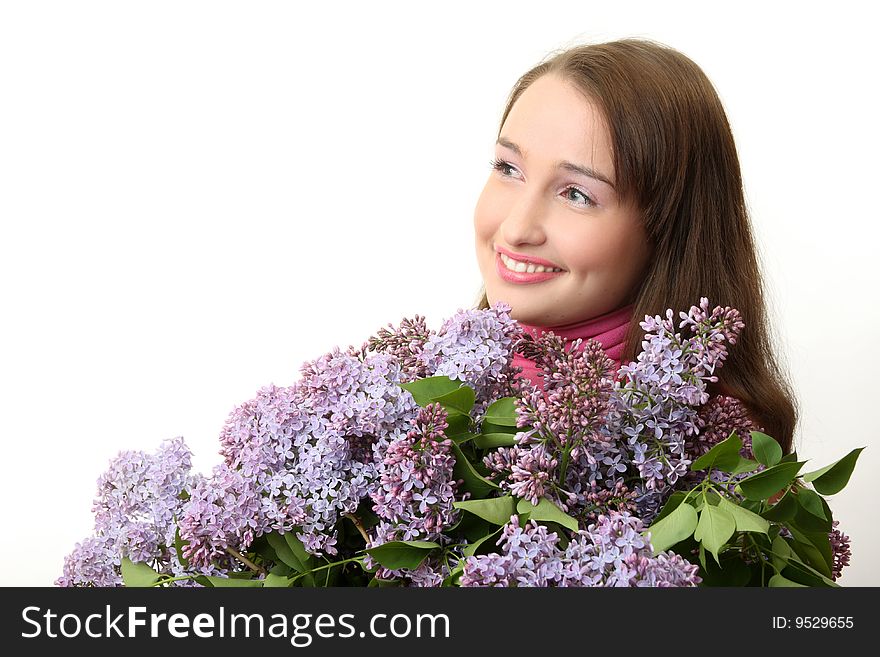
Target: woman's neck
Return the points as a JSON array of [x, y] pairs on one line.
[[609, 330]]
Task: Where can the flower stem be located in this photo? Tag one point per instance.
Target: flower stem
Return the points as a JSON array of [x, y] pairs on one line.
[[247, 562], [360, 527], [174, 579], [329, 565]]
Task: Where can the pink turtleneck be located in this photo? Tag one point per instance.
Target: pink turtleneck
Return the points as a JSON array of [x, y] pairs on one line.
[[609, 329]]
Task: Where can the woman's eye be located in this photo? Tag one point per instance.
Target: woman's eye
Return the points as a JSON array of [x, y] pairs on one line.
[[587, 200], [501, 166]]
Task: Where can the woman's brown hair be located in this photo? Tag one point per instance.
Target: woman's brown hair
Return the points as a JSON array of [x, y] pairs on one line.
[[675, 158]]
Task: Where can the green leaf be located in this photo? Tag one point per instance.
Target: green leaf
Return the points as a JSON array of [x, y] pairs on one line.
[[723, 456], [814, 549], [791, 457], [138, 575], [784, 509], [284, 553], [473, 481], [289, 549], [383, 583], [233, 582], [546, 511], [461, 399], [473, 527], [281, 570], [426, 390], [502, 411], [744, 465], [402, 554], [461, 438], [458, 426], [781, 553], [763, 485], [803, 573], [714, 529], [454, 575], [491, 440], [733, 571], [832, 478], [672, 503], [296, 546], [808, 522], [179, 544], [471, 548], [745, 520], [765, 448], [496, 510], [244, 574], [490, 427], [827, 510], [811, 502], [779, 581], [673, 528]]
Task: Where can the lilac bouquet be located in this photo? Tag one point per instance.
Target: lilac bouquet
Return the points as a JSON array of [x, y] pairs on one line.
[[421, 459]]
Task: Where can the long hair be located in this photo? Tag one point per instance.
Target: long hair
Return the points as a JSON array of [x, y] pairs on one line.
[[674, 156]]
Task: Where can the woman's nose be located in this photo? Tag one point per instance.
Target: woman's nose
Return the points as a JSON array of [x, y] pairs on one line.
[[525, 221]]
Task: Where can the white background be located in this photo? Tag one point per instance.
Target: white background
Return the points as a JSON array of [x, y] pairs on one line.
[[196, 197]]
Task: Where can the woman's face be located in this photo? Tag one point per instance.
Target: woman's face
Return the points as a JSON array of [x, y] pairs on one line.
[[537, 205]]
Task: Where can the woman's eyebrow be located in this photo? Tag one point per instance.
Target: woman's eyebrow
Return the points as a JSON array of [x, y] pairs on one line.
[[562, 164]]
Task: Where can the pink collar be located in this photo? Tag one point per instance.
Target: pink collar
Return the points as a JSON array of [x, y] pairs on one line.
[[609, 329]]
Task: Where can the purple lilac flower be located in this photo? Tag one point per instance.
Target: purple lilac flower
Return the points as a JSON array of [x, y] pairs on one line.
[[223, 511], [716, 420], [430, 573], [258, 436], [564, 450], [611, 552], [366, 410], [841, 550], [137, 500], [529, 558], [299, 458], [416, 491], [360, 398], [405, 343], [95, 561], [476, 347], [656, 401]]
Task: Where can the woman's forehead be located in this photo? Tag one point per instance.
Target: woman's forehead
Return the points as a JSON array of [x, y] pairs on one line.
[[553, 121]]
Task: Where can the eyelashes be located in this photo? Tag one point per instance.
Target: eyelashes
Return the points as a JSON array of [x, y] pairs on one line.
[[500, 166]]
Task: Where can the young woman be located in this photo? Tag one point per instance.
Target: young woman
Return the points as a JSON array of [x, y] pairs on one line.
[[616, 193]]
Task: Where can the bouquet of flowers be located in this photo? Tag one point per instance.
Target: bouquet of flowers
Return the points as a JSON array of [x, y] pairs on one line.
[[420, 459]]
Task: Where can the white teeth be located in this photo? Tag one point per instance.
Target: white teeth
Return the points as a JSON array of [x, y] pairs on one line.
[[516, 265]]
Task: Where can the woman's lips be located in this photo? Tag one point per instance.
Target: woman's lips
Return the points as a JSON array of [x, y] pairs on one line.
[[522, 277]]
